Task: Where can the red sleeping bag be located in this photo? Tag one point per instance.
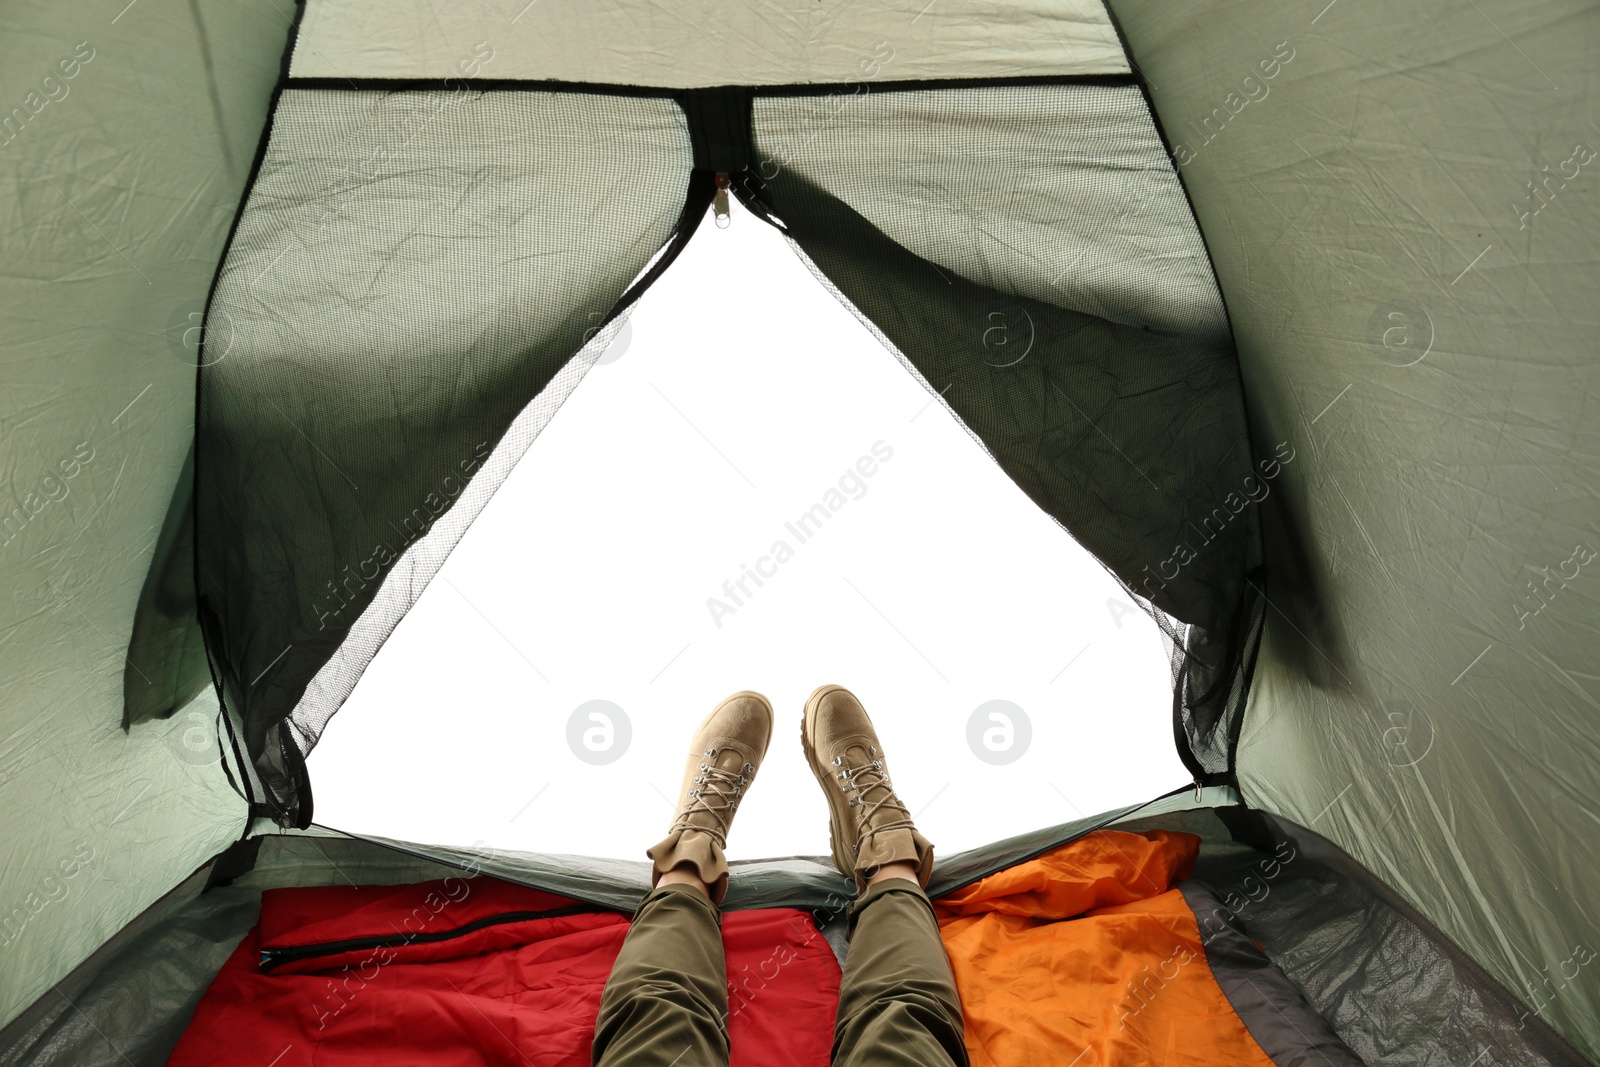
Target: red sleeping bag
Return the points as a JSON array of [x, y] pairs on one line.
[[474, 971]]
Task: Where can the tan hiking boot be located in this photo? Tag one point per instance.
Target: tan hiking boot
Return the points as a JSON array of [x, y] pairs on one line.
[[869, 826], [723, 759]]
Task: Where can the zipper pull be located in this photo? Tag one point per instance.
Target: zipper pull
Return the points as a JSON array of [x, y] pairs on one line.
[[719, 203]]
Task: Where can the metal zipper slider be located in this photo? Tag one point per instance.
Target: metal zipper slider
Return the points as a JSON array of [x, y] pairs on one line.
[[719, 203]]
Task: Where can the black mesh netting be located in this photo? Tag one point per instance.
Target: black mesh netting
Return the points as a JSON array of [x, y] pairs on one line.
[[1029, 253], [409, 277], [420, 277]]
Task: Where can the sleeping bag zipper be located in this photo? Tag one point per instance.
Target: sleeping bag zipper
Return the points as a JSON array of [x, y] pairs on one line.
[[276, 957]]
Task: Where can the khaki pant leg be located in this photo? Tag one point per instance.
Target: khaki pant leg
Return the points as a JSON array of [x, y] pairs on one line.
[[666, 1001], [898, 1005]]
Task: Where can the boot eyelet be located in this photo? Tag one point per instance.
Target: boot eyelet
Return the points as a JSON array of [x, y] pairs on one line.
[[749, 768], [838, 761], [711, 752], [872, 750], [877, 765]]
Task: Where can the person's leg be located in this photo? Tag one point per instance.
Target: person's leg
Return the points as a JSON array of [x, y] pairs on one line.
[[898, 1003], [666, 1000]]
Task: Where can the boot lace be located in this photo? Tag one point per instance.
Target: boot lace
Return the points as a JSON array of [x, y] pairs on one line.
[[713, 783], [862, 780]]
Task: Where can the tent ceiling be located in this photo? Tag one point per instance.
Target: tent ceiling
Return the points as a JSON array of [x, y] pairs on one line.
[[705, 42]]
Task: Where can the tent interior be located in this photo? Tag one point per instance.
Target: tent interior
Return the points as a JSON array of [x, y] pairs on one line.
[[1272, 327]]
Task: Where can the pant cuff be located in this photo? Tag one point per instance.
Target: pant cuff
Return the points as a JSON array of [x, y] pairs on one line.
[[877, 892], [694, 896]]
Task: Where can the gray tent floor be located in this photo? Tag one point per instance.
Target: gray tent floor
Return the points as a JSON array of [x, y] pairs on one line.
[[1395, 990]]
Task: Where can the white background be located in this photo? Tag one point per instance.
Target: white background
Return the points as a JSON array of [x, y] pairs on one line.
[[738, 395]]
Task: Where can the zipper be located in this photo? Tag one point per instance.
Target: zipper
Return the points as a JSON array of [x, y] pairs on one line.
[[719, 202], [277, 957]]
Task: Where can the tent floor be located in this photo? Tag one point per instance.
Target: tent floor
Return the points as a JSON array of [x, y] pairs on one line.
[[1388, 982]]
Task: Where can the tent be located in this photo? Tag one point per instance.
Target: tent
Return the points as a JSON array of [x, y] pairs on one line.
[[1304, 290]]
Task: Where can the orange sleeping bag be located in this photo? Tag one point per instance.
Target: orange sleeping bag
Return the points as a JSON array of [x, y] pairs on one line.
[[1125, 982]]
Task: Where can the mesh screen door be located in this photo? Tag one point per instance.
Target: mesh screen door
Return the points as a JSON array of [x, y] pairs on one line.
[[425, 266]]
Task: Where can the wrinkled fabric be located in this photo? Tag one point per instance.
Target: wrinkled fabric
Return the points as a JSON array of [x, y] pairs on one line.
[[467, 971], [1126, 977]]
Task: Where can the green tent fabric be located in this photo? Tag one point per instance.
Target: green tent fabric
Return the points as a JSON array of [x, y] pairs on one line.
[[1425, 692], [127, 144], [1334, 264]]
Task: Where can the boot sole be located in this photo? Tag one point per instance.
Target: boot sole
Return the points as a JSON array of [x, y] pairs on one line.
[[824, 776]]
